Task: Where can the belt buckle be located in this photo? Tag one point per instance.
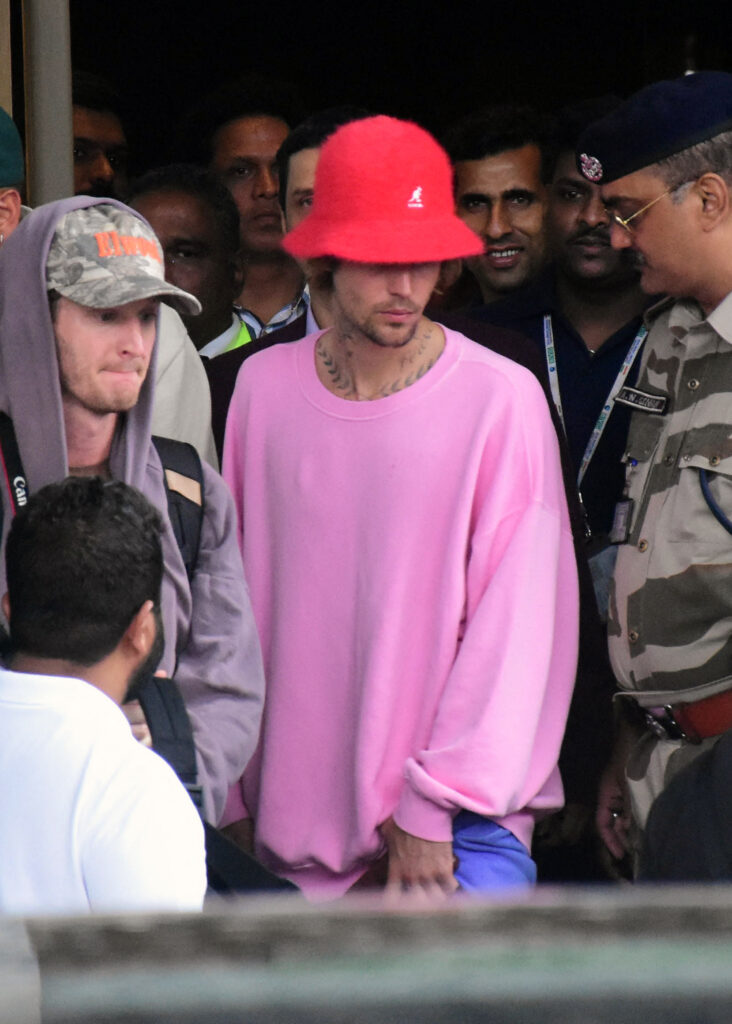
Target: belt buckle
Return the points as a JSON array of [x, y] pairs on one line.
[[662, 723]]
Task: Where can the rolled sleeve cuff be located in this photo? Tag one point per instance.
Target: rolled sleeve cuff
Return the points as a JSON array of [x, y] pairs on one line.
[[423, 818]]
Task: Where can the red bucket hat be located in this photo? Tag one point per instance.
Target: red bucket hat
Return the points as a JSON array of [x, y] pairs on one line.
[[383, 194]]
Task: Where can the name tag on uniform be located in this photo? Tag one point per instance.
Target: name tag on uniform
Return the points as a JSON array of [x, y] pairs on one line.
[[620, 530], [642, 401]]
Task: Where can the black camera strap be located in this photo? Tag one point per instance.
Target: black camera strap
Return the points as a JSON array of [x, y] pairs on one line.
[[13, 474]]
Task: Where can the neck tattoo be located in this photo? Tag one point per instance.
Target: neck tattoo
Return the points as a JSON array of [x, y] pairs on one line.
[[340, 379]]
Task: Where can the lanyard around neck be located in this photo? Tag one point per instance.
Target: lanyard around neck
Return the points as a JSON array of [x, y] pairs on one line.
[[607, 406]]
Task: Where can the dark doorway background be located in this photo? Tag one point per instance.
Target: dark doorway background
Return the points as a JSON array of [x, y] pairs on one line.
[[427, 62]]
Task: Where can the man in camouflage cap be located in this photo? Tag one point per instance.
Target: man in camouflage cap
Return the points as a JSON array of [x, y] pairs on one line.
[[81, 283], [102, 256], [664, 164]]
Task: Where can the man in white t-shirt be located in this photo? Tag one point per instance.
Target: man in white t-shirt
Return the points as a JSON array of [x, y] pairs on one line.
[[90, 819]]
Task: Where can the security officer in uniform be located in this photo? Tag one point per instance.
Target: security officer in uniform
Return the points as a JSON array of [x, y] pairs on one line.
[[664, 163]]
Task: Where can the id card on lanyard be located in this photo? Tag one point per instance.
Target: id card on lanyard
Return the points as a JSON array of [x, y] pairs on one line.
[[607, 406]]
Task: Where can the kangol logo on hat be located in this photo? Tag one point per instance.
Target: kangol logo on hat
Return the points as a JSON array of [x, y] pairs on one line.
[[383, 194], [591, 167]]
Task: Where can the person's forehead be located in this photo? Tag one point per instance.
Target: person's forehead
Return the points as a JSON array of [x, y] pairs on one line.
[[566, 169], [177, 213], [100, 126], [513, 168], [638, 185], [257, 137], [301, 169]]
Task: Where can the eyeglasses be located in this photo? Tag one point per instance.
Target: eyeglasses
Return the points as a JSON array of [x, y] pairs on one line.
[[624, 222]]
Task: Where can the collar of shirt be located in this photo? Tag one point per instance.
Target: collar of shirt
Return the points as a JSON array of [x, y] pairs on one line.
[[686, 316], [542, 298], [311, 326], [218, 345], [286, 315], [720, 319]]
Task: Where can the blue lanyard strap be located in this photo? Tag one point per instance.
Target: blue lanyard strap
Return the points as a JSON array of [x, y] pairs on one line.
[[608, 404]]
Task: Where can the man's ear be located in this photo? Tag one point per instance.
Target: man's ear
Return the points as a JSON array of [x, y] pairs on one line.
[[715, 197], [6, 606], [140, 634], [9, 211]]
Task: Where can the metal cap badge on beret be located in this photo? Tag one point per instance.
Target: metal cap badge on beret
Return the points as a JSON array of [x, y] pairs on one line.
[[12, 168], [103, 256], [660, 120]]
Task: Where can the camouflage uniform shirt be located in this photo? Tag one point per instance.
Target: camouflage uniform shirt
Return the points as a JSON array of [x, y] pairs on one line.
[[670, 622]]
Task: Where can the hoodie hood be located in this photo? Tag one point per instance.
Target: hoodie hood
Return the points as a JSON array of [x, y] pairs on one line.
[[30, 393], [30, 390]]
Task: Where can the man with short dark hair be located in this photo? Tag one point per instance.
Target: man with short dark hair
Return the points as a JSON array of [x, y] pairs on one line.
[[182, 406], [197, 224], [93, 820], [100, 145], [78, 386], [407, 523], [500, 159], [584, 314], [236, 132], [663, 162], [297, 159]]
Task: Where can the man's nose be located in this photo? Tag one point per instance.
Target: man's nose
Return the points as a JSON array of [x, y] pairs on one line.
[[400, 281], [595, 213], [101, 169], [267, 183], [620, 238], [497, 223], [133, 337]]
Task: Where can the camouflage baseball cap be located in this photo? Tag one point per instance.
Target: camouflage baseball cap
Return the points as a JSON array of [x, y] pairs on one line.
[[103, 256]]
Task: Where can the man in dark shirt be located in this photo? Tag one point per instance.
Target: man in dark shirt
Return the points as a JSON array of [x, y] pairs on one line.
[[584, 313]]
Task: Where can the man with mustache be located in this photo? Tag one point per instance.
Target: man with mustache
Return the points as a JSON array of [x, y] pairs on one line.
[[499, 161], [584, 313], [584, 316], [663, 163]]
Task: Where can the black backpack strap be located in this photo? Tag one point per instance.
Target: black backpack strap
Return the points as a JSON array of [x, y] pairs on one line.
[[184, 490], [231, 870], [171, 731]]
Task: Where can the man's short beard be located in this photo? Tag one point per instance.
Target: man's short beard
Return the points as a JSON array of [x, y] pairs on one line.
[[151, 662], [373, 336]]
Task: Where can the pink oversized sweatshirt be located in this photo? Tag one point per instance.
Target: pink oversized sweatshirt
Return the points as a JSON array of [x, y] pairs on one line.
[[413, 580]]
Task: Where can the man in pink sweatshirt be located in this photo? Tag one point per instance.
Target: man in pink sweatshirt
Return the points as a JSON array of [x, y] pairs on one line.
[[405, 537]]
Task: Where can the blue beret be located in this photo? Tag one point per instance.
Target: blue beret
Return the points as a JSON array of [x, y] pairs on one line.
[[12, 168], [656, 122]]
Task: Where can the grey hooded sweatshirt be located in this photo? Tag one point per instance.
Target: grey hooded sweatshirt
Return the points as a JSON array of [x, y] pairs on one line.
[[211, 644]]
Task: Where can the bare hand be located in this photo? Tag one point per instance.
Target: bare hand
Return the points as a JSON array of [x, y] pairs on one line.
[[612, 817], [419, 870], [136, 717]]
